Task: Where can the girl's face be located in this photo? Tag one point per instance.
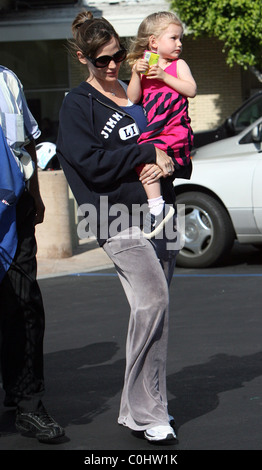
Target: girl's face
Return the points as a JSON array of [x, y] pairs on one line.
[[110, 72], [168, 44]]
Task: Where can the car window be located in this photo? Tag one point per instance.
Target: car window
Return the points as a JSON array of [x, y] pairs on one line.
[[249, 137], [249, 114]]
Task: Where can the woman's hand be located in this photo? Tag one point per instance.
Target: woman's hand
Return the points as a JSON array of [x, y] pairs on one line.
[[150, 173], [164, 162], [163, 167]]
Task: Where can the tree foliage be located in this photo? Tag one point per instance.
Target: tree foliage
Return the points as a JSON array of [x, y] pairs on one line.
[[238, 23]]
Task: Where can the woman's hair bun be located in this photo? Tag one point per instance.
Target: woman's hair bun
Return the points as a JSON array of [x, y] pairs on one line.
[[80, 19]]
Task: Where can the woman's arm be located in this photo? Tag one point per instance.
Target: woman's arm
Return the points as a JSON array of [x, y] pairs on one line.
[[184, 83]]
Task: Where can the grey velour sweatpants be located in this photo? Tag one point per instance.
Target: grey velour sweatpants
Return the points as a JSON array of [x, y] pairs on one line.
[[145, 280]]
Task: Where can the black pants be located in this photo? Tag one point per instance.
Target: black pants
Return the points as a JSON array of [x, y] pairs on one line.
[[22, 317]]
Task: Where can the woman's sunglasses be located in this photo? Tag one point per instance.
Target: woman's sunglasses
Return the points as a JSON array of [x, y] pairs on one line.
[[104, 60]]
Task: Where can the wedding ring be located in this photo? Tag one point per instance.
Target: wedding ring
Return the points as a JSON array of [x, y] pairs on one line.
[[155, 174]]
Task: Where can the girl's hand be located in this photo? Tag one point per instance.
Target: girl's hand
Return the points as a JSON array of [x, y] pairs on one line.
[[141, 66], [156, 72]]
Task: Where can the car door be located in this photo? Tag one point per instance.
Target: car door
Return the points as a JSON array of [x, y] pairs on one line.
[[231, 171], [254, 137], [230, 177], [257, 193]]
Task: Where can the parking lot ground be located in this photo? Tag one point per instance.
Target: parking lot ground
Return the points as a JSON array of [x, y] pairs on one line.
[[214, 373]]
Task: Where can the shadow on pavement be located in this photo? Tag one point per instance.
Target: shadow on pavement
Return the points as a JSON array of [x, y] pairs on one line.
[[197, 388]]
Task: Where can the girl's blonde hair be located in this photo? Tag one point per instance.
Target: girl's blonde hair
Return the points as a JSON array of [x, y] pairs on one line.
[[90, 34], [153, 25]]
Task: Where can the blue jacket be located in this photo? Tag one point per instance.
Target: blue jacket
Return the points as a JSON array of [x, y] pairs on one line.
[[11, 187]]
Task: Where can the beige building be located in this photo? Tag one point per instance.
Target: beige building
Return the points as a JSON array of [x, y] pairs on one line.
[[33, 43], [33, 39]]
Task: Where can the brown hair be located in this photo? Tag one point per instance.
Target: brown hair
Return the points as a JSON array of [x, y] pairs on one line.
[[90, 34], [152, 25]]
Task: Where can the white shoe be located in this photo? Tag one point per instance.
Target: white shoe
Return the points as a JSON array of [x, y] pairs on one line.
[[160, 433], [155, 224]]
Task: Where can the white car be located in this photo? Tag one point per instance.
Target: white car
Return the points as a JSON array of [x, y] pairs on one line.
[[223, 198]]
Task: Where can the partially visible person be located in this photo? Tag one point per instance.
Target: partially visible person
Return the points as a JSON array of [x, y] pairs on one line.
[[163, 89], [22, 318], [98, 151]]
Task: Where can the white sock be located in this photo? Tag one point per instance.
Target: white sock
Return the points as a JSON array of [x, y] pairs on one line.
[[156, 205]]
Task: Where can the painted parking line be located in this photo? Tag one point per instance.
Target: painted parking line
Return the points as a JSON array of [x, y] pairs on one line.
[[94, 274]]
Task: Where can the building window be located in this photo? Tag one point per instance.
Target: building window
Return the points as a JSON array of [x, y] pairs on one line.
[[42, 67]]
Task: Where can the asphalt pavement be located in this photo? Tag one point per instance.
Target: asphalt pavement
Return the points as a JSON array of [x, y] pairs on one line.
[[214, 372]]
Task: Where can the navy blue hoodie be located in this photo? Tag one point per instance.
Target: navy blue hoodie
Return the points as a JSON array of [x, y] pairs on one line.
[[98, 152]]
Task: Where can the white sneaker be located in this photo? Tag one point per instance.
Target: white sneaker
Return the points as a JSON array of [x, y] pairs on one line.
[[160, 433], [155, 224]]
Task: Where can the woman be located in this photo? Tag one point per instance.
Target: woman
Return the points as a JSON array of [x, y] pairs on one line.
[[98, 152]]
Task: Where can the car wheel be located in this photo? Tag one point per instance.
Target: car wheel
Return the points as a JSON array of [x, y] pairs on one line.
[[209, 234]]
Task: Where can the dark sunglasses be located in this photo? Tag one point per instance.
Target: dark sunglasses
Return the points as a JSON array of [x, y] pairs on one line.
[[104, 60]]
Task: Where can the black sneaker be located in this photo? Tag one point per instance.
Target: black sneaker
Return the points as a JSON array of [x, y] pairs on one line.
[[154, 224], [38, 424]]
